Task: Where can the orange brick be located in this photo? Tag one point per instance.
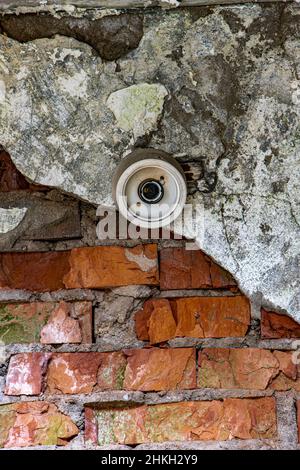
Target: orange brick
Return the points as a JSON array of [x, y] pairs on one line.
[[199, 317], [184, 269], [274, 325], [184, 421]]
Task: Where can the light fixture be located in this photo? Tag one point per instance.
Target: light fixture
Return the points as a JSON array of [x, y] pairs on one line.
[[149, 188]]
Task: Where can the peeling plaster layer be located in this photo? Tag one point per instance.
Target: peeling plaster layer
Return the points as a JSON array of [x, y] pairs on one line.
[[232, 77], [11, 218]]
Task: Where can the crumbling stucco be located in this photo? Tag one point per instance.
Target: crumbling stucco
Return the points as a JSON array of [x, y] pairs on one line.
[[233, 105], [11, 218]]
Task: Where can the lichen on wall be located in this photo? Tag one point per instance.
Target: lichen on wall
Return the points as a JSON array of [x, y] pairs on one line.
[[232, 103]]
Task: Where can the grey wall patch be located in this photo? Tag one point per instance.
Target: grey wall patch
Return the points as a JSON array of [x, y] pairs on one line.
[[137, 108], [11, 218]]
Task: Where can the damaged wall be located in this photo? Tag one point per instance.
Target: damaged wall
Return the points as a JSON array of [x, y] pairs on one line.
[[218, 87]]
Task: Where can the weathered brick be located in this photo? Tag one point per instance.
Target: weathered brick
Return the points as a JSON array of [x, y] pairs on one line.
[[112, 266], [184, 421], [45, 219], [46, 322], [248, 368], [199, 317], [298, 418], [33, 424], [289, 372], [11, 179], [184, 269], [274, 325], [72, 373], [155, 322], [99, 267], [160, 369], [26, 373]]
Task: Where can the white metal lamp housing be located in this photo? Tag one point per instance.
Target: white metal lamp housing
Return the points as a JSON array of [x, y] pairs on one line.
[[149, 188]]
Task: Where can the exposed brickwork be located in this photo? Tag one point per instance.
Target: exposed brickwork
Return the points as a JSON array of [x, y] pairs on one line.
[[34, 423], [160, 369], [112, 266], [184, 269], [73, 373], [274, 325], [199, 317], [298, 418], [247, 369], [151, 366], [46, 322], [215, 420], [11, 179]]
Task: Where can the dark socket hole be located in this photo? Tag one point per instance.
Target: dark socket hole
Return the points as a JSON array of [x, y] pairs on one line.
[[151, 191]]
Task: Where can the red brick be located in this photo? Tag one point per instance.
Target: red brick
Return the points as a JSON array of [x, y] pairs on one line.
[[184, 421], [33, 271], [274, 325], [46, 322], [25, 374], [69, 323], [199, 317], [33, 424], [11, 179], [99, 267], [72, 373], [160, 369], [184, 269], [155, 321], [248, 368]]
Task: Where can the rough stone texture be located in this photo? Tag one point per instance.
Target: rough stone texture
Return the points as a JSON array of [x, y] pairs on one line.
[[183, 422], [198, 317], [160, 369], [247, 369], [183, 269], [45, 218], [223, 69], [274, 325], [33, 424], [11, 218], [99, 267], [46, 322], [111, 36]]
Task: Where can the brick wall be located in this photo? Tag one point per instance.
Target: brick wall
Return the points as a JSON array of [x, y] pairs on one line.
[[127, 344]]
